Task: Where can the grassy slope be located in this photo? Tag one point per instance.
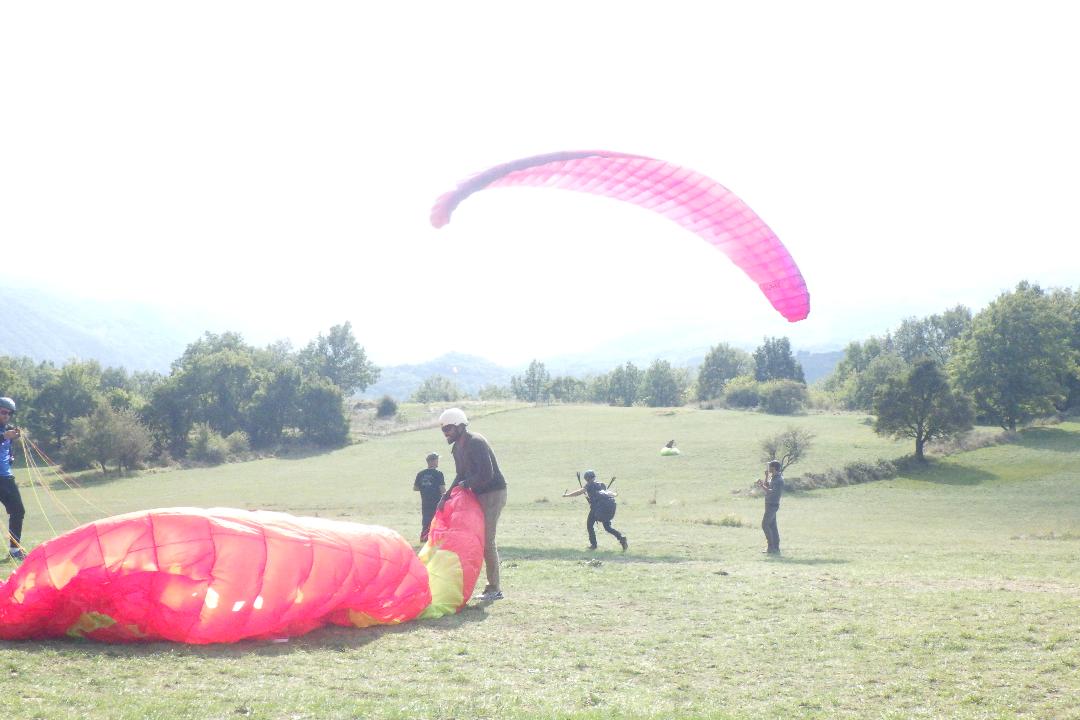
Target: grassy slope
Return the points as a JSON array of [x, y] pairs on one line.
[[954, 593]]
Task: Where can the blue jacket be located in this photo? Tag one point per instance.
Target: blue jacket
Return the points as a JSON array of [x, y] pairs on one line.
[[6, 458]]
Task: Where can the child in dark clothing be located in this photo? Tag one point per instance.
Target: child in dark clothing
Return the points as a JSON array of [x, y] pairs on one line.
[[601, 508], [430, 483]]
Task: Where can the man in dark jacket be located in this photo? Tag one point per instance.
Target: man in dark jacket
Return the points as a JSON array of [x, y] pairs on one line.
[[773, 485], [9, 491], [477, 470], [430, 483]]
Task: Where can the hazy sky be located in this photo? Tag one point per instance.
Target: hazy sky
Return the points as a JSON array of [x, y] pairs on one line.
[[276, 162]]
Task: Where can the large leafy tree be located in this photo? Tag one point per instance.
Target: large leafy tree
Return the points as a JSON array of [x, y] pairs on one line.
[[922, 406], [1017, 357], [773, 360], [662, 385], [321, 413], [72, 392], [339, 358], [722, 363], [932, 336], [1068, 304], [107, 436]]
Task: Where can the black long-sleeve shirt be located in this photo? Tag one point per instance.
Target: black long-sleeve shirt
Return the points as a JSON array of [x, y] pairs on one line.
[[476, 466]]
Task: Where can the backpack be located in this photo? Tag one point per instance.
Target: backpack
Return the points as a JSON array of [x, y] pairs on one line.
[[603, 505]]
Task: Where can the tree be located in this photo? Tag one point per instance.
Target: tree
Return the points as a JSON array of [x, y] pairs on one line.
[[107, 436], [881, 369], [921, 405], [217, 376], [534, 386], [339, 358], [721, 364], [661, 386], [321, 413], [773, 361], [931, 337], [569, 390], [437, 389], [788, 447], [1068, 304], [273, 405], [1016, 357], [624, 385], [72, 392]]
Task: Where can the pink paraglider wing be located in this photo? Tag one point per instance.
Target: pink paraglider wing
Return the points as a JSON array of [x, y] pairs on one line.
[[201, 576], [689, 198]]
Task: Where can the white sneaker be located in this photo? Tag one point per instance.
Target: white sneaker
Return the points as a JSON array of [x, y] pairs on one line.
[[490, 596], [18, 554]]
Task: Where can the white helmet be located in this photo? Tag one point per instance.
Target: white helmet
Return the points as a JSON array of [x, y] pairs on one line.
[[453, 416]]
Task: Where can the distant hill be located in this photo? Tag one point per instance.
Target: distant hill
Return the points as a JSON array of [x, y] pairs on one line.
[[468, 372], [817, 365], [48, 327]]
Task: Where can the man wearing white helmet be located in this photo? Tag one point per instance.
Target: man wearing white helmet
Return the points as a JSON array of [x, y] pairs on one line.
[[477, 470], [9, 491]]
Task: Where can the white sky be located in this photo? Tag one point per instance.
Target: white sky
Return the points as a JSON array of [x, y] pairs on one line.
[[276, 162]]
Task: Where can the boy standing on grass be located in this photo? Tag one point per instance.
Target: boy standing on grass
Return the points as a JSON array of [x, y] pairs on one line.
[[431, 484], [773, 485], [9, 491]]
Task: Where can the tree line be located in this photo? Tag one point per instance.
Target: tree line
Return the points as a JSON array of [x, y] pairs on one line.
[[771, 376], [931, 378], [221, 397]]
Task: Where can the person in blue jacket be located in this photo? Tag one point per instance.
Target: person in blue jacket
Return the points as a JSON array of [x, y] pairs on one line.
[[9, 491]]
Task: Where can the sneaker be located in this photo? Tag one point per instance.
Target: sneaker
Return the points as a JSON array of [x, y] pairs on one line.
[[591, 547], [490, 596], [624, 543], [18, 554]]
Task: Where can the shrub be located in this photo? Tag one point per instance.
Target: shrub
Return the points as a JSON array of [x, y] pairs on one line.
[[206, 445], [387, 407], [238, 443], [782, 397], [742, 392], [851, 474]]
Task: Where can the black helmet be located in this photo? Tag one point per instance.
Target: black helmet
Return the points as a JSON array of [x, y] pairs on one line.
[[6, 402], [590, 475]]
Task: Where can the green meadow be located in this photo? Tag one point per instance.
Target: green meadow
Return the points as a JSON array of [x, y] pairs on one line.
[[953, 591]]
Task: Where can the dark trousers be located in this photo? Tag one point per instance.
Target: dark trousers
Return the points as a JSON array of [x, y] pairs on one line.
[[607, 526], [768, 526], [12, 500], [427, 512]]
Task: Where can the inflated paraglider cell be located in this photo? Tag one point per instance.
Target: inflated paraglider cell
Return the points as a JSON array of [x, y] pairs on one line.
[[692, 200], [203, 576]]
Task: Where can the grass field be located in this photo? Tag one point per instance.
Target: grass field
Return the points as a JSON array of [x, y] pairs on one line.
[[954, 592]]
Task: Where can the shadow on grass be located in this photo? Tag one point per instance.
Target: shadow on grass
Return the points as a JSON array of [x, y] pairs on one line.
[[946, 474], [788, 560], [331, 637], [1053, 439], [509, 553]]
